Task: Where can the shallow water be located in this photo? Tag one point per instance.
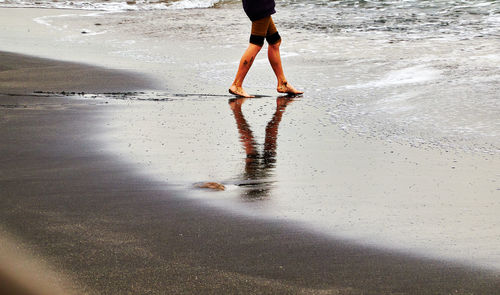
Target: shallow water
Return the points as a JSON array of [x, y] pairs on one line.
[[395, 143], [279, 160], [419, 72]]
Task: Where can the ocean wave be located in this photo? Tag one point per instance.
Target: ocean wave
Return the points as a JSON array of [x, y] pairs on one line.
[[129, 5], [189, 4]]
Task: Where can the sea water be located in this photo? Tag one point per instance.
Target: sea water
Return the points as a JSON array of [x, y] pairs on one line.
[[424, 72], [420, 74]]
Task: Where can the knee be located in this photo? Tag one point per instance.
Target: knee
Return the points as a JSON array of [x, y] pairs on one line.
[[256, 40], [255, 47], [276, 45], [274, 39]]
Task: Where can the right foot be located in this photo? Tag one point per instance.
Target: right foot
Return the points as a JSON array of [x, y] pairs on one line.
[[238, 91], [287, 88]]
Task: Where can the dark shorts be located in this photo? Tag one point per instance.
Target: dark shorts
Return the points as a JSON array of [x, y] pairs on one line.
[[264, 28]]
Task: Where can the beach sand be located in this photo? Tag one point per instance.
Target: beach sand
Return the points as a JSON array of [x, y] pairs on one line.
[[97, 191], [104, 229]]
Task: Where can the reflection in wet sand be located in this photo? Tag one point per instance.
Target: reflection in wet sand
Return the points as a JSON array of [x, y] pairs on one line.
[[258, 165]]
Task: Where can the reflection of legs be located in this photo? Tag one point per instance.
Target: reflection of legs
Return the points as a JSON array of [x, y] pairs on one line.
[[272, 131], [273, 54], [245, 64], [254, 176], [246, 134]]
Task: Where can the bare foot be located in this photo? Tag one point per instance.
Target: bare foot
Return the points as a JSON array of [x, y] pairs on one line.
[[287, 88], [238, 91]]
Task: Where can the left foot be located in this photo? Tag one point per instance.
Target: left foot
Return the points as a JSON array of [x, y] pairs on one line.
[[238, 91], [285, 87]]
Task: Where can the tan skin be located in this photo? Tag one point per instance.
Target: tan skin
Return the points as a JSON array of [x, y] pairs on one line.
[[273, 54]]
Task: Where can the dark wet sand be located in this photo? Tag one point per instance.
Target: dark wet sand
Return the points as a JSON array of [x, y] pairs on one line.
[[91, 218]]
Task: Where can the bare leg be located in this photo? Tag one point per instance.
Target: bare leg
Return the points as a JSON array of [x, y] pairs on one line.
[[245, 64], [273, 53]]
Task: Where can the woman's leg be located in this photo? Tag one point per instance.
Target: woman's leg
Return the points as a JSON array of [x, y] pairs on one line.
[[257, 36], [273, 54], [262, 29], [245, 64]]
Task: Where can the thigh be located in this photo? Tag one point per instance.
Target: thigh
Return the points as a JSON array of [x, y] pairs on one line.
[[271, 28], [260, 27]]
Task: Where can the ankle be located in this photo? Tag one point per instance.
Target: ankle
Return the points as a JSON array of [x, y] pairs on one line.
[[282, 83]]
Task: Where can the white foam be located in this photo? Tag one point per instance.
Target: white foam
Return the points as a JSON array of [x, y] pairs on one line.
[[190, 4], [412, 75], [114, 6], [45, 20]]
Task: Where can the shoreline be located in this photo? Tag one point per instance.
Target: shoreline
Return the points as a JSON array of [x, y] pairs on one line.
[[115, 180], [91, 218], [29, 78]]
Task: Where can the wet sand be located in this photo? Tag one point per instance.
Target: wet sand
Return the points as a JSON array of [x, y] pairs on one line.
[[92, 219]]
